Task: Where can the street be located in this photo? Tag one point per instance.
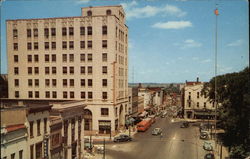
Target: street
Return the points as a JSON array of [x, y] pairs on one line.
[[176, 143]]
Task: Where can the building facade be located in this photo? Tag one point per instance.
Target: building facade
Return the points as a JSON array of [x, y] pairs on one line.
[[73, 58], [196, 103]]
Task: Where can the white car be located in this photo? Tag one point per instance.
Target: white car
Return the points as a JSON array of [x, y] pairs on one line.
[[157, 131]]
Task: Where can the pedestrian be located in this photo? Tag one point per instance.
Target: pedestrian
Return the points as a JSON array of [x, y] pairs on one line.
[[161, 135]]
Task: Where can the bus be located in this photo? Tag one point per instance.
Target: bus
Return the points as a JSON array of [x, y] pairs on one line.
[[144, 125]]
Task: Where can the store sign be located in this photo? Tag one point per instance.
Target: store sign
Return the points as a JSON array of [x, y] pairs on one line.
[[45, 143]]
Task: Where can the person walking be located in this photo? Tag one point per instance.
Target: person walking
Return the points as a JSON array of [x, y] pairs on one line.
[[161, 135]]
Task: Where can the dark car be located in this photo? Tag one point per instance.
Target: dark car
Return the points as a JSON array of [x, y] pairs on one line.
[[203, 135], [185, 125], [209, 156], [122, 138]]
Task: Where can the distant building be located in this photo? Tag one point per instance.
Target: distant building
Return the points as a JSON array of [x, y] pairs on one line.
[[73, 58], [197, 104]]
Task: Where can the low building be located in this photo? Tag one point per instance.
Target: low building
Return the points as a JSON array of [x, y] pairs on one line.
[[196, 103], [56, 149]]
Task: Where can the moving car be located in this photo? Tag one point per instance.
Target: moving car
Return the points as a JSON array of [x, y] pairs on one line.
[[204, 135], [207, 146], [122, 137], [185, 125], [157, 131], [209, 156]]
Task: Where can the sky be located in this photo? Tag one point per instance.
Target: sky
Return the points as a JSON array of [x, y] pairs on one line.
[[170, 41]]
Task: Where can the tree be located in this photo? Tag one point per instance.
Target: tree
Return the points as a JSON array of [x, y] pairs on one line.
[[233, 111]]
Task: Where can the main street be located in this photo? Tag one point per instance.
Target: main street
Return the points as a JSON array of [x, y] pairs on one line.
[[176, 143]]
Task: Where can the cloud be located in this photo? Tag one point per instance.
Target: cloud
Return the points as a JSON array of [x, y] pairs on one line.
[[172, 25], [206, 61], [189, 43], [130, 44], [224, 69], [235, 43], [149, 11], [82, 1]]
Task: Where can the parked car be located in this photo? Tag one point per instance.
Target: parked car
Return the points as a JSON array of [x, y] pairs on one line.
[[122, 137], [207, 146], [157, 131], [209, 156], [204, 135], [185, 125]]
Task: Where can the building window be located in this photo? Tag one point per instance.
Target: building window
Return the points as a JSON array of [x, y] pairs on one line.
[[47, 94], [104, 44], [198, 104], [46, 45], [37, 95], [71, 82], [71, 45], [189, 104], [198, 95], [64, 57], [15, 46], [64, 70], [12, 156], [29, 46], [53, 57], [104, 69], [89, 13], [54, 94], [89, 30], [36, 58], [108, 12], [31, 129], [82, 69], [16, 82], [17, 94], [82, 30], [104, 30], [90, 95], [53, 70], [46, 70], [83, 95], [21, 154], [53, 31], [15, 33], [31, 151], [29, 58], [38, 127], [82, 57], [53, 45], [28, 33], [205, 104], [35, 32], [64, 44], [65, 94], [46, 58], [54, 82], [104, 95], [46, 32], [65, 82], [29, 70], [71, 57], [104, 82], [83, 82], [15, 58], [104, 111], [89, 57], [37, 82], [16, 70], [36, 70], [82, 44], [90, 82], [30, 83], [35, 45], [71, 31], [89, 44], [64, 31], [71, 94], [71, 70], [90, 70], [39, 150], [47, 82], [104, 57]]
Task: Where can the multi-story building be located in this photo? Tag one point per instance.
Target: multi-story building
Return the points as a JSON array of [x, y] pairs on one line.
[[73, 58], [196, 103], [25, 131]]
